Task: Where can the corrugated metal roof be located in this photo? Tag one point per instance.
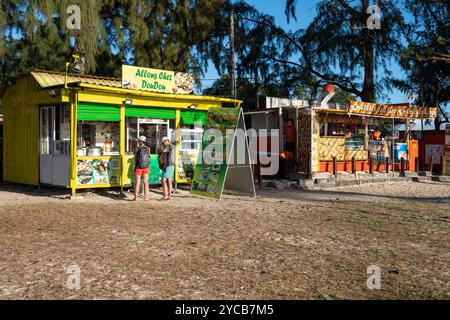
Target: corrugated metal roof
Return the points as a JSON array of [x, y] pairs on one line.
[[51, 79], [48, 79]]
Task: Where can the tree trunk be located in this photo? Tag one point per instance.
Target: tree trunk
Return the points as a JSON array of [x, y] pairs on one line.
[[78, 50], [232, 64], [437, 123], [369, 91], [437, 120]]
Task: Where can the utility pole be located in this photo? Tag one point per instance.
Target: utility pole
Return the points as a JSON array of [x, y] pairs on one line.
[[78, 55], [232, 64]]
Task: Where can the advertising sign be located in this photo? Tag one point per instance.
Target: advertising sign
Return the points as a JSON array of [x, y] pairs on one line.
[[395, 111], [98, 171], [211, 175], [156, 80], [209, 179], [400, 151]]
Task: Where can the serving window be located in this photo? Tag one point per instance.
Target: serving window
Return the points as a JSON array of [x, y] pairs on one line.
[[152, 129], [342, 137], [98, 129], [191, 135], [342, 130], [98, 138]]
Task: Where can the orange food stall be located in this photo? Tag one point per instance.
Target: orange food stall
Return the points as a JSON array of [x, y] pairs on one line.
[[359, 133]]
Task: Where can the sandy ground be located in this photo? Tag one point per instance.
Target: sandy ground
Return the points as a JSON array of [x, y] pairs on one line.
[[283, 245]]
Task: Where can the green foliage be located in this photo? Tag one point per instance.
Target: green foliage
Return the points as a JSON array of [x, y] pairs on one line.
[[247, 90], [168, 34], [185, 35], [426, 58], [342, 97]]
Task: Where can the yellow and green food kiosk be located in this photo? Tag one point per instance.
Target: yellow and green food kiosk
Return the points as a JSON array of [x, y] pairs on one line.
[[79, 131]]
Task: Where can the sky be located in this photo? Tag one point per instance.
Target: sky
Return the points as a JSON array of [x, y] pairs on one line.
[[305, 13]]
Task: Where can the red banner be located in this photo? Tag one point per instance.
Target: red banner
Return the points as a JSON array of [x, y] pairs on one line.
[[395, 111]]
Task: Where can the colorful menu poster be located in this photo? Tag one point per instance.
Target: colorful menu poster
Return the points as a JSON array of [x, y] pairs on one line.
[[209, 178], [98, 172]]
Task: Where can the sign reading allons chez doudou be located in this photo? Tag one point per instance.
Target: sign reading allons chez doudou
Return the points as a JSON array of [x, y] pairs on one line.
[[156, 80], [395, 111]]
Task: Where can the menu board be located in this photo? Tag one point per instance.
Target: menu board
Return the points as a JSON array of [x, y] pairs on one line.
[[98, 171], [209, 178]]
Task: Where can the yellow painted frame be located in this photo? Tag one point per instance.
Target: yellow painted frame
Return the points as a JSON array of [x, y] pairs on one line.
[[177, 144], [23, 99], [73, 143], [116, 96]]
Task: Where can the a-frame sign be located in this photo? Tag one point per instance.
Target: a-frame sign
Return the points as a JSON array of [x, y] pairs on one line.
[[230, 166]]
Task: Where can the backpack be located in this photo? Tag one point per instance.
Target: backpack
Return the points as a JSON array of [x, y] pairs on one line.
[[163, 160], [142, 158]]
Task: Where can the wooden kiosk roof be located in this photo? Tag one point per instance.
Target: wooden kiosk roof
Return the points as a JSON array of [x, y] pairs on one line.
[[50, 80]]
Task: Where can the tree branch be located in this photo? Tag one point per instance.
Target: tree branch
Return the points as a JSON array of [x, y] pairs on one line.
[[343, 84], [347, 7], [335, 80]]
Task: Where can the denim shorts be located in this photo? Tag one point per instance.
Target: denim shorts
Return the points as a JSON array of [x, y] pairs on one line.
[[168, 173]]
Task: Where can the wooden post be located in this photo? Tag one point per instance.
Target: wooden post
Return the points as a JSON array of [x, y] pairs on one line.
[[402, 166], [430, 162], [416, 164], [371, 164], [353, 165], [260, 179], [334, 167], [309, 166], [388, 167]]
